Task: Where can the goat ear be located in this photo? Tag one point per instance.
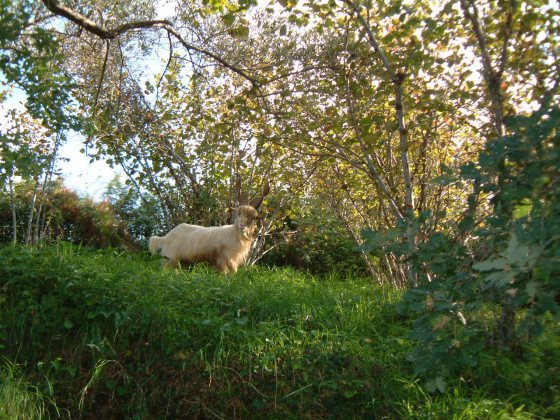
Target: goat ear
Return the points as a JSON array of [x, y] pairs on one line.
[[241, 197], [257, 201]]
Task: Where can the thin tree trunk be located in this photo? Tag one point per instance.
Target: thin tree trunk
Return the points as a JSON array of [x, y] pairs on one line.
[[492, 74], [256, 252], [29, 234], [392, 275], [507, 323], [397, 79], [355, 238], [46, 182], [363, 254], [14, 216]]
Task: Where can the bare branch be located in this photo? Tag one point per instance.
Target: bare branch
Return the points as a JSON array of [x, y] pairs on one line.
[[166, 66], [507, 36], [493, 77], [101, 77], [370, 166], [190, 47], [397, 78], [372, 39]]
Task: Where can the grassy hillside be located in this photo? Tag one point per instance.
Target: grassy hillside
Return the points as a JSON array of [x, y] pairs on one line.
[[107, 335]]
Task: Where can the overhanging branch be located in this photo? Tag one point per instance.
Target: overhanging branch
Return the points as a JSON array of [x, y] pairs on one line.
[[91, 26], [207, 53], [108, 34]]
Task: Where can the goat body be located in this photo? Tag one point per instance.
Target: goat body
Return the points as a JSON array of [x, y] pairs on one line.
[[224, 247]]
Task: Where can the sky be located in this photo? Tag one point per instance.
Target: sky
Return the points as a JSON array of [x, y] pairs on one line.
[[87, 179]]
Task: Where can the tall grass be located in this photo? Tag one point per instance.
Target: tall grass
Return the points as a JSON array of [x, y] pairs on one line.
[[20, 399], [109, 334]]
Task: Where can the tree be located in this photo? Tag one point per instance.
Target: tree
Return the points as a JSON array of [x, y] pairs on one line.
[[332, 99], [139, 214], [366, 105], [125, 117], [27, 150], [30, 60]]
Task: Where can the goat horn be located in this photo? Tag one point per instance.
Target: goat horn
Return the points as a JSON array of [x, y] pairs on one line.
[[257, 201], [241, 197]]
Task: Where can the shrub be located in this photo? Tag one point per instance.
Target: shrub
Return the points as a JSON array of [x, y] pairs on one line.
[[66, 217], [318, 243], [499, 287]]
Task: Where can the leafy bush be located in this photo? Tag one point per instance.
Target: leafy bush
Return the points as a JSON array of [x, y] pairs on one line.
[[317, 243], [66, 217], [139, 214], [495, 283], [501, 287]]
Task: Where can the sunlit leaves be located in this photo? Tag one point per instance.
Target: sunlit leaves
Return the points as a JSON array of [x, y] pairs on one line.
[[29, 58], [25, 147], [320, 98]]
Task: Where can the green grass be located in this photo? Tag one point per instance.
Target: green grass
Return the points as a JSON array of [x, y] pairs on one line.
[[20, 399], [99, 333]]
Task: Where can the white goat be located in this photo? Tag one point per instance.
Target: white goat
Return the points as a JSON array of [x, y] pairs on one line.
[[224, 247]]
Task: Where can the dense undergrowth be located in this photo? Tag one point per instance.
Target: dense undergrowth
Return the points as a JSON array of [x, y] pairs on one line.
[[101, 334]]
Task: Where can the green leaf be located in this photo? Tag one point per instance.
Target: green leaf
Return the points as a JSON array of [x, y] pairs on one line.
[[440, 384], [443, 180], [501, 278], [531, 289], [518, 254], [350, 394], [242, 321], [229, 19], [241, 31], [491, 264], [431, 386], [68, 324], [546, 303]]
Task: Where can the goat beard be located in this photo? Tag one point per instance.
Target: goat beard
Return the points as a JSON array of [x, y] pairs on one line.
[[245, 233]]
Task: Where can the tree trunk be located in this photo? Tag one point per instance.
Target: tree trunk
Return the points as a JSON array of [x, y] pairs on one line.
[[29, 231], [492, 74], [14, 216], [507, 324], [397, 78], [48, 178]]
